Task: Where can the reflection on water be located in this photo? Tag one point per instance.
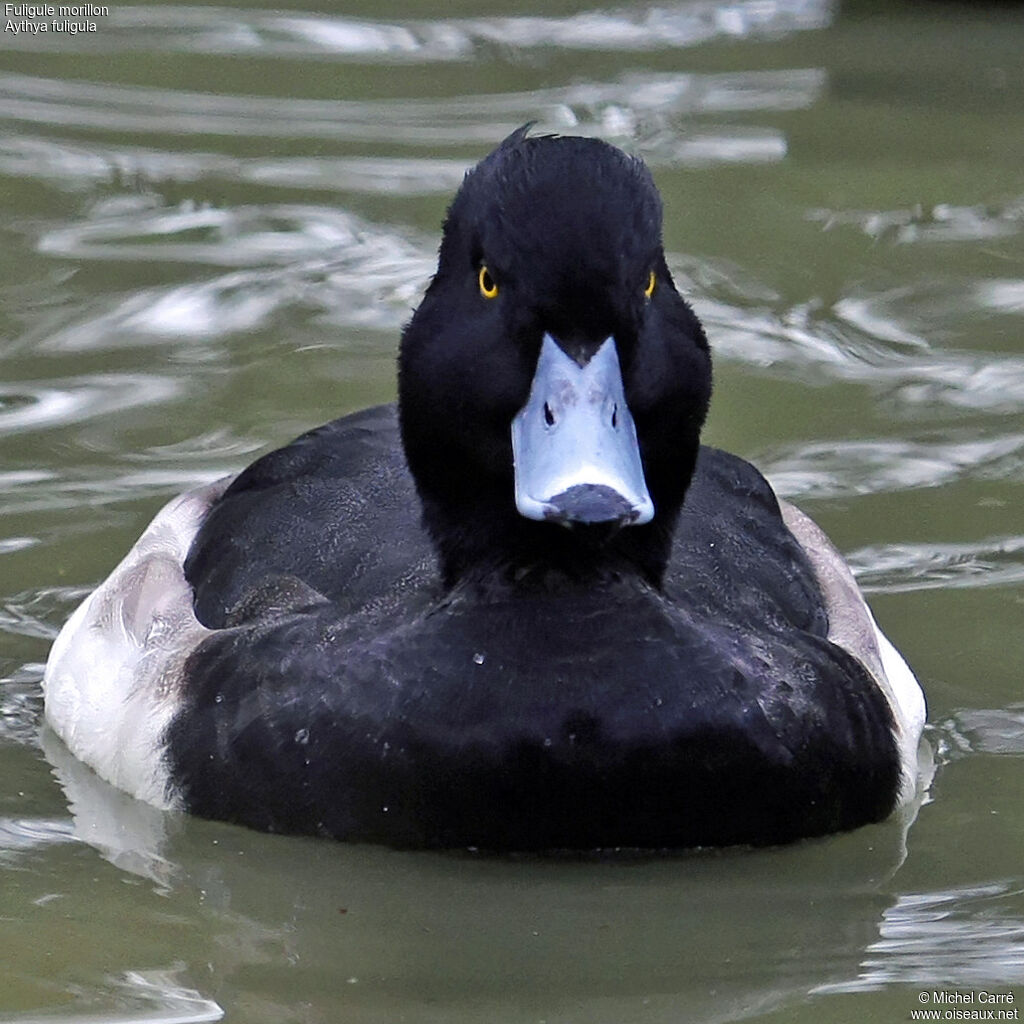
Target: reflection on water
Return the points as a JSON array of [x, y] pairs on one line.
[[650, 110], [74, 165], [862, 339], [987, 730], [41, 405], [898, 568], [18, 835], [140, 227], [216, 220], [143, 997], [1001, 296], [307, 257], [942, 222], [94, 489], [466, 938], [963, 937], [814, 469], [299, 35]]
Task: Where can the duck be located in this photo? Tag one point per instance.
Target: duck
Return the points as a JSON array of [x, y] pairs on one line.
[[524, 609]]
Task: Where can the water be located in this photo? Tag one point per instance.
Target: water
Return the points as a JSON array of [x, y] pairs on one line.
[[215, 221]]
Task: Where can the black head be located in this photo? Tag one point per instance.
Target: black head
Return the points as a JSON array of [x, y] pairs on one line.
[[551, 248]]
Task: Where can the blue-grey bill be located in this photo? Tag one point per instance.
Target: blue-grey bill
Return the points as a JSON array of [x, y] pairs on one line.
[[574, 443]]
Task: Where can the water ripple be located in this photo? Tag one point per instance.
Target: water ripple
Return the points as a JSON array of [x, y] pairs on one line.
[[218, 30], [1005, 296], [142, 228], [963, 936], [38, 405], [643, 107], [38, 613], [100, 488], [855, 340], [246, 300], [16, 618], [942, 222], [221, 444], [73, 164], [986, 730], [21, 700], [20, 834], [898, 568], [140, 997], [873, 316], [346, 269], [11, 544], [164, 999], [842, 468]]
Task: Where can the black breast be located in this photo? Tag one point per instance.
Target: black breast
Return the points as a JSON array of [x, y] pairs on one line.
[[539, 715]]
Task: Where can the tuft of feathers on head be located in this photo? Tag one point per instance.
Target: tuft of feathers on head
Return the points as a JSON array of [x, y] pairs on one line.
[[549, 194]]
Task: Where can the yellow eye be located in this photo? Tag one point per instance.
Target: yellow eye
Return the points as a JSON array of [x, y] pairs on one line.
[[488, 286], [649, 290]]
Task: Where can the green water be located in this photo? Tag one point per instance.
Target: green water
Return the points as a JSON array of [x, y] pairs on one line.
[[213, 222]]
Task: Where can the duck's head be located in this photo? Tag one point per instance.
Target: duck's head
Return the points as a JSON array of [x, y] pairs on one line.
[[553, 377]]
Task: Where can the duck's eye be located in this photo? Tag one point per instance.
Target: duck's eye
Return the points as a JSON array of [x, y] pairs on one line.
[[651, 281], [488, 286]]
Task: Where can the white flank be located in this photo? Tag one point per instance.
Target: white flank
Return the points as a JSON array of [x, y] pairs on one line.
[[907, 699], [112, 681], [853, 627]]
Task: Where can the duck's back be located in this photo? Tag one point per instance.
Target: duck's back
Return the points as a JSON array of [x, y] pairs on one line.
[[336, 509]]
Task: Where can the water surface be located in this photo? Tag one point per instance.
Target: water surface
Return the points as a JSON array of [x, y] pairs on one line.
[[215, 220]]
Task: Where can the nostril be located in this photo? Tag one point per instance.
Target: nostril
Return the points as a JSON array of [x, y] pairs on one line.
[[549, 416], [615, 416]]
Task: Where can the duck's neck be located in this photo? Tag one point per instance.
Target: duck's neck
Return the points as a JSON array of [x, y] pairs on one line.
[[481, 539]]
